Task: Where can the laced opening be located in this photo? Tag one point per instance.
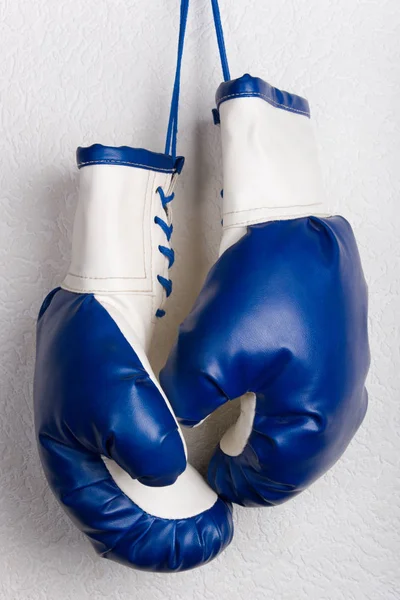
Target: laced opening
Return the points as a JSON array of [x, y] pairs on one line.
[[172, 131], [165, 250], [170, 148]]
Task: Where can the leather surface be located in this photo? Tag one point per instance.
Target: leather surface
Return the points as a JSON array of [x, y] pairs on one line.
[[94, 399], [116, 240], [77, 74], [97, 154], [283, 314], [248, 86], [270, 159]]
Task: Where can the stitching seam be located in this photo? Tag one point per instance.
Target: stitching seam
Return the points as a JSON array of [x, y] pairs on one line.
[[77, 290], [267, 218], [124, 163], [235, 212], [268, 98], [104, 278], [146, 231]]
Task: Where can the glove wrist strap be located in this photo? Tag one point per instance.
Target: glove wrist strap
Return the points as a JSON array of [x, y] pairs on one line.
[[270, 160]]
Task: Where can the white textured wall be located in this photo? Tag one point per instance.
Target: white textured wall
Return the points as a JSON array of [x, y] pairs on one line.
[[100, 71]]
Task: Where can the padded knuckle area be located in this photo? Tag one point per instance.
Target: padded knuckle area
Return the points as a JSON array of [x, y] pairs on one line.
[[163, 462]]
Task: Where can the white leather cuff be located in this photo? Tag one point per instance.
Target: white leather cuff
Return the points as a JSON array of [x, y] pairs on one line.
[[270, 163], [115, 240]]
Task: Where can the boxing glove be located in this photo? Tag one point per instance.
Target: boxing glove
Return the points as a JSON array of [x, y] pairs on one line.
[[281, 320], [108, 440]]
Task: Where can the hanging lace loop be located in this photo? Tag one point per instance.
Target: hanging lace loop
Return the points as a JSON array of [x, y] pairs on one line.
[[172, 132], [220, 39], [170, 148]]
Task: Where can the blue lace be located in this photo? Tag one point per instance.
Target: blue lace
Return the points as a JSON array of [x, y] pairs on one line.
[[165, 250], [222, 53], [170, 148], [172, 131], [220, 40]]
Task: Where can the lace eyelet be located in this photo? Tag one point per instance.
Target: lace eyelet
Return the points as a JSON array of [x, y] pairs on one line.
[[165, 250]]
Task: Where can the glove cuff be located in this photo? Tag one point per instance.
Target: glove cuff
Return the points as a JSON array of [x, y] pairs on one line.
[[115, 238], [270, 159]]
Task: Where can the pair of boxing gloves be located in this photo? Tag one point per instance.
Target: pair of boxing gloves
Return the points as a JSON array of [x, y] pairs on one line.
[[281, 321]]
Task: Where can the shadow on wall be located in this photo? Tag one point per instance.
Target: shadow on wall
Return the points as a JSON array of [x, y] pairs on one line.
[[196, 244], [38, 258]]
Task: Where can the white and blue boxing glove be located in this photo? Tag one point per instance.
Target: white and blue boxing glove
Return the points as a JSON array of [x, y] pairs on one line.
[[108, 440], [282, 317], [109, 443]]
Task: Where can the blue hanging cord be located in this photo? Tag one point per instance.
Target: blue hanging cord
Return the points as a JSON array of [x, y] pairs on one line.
[[172, 132], [170, 148], [222, 53], [220, 40]]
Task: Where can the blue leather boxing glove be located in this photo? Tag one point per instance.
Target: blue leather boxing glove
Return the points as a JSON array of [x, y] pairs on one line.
[[109, 443], [282, 317]]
